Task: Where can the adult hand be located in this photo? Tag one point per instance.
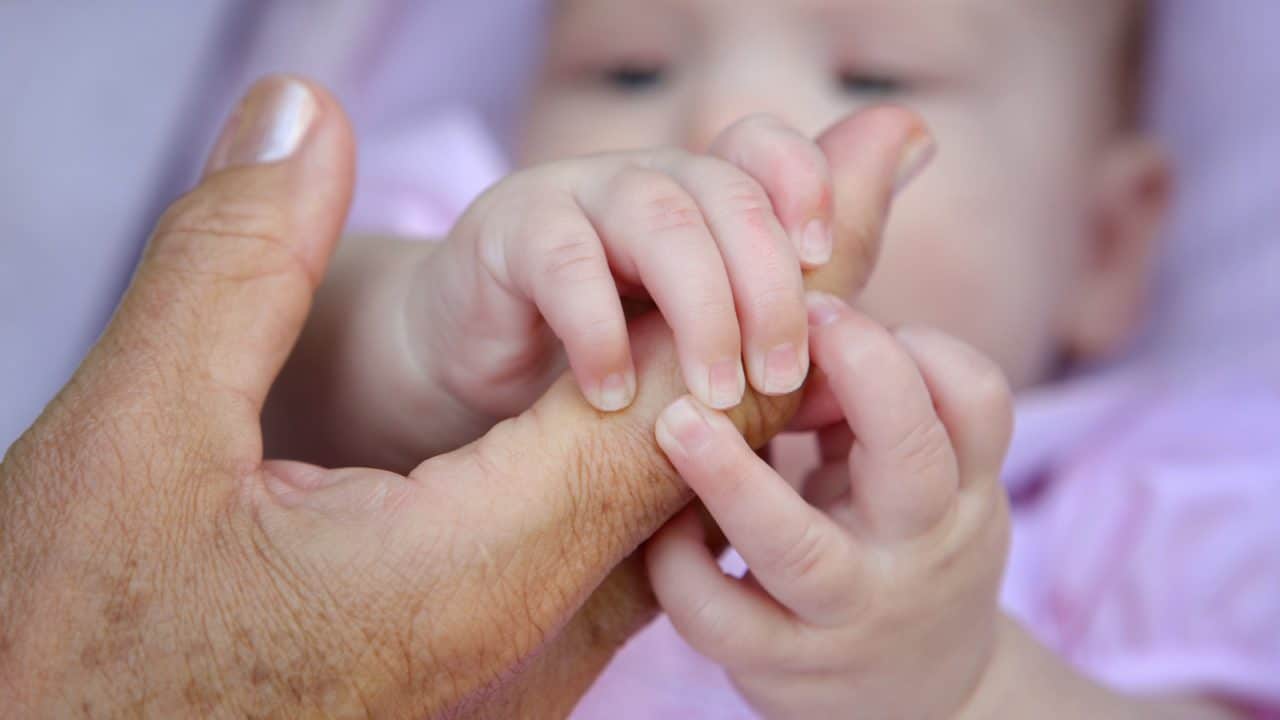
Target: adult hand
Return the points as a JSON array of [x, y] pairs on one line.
[[152, 563]]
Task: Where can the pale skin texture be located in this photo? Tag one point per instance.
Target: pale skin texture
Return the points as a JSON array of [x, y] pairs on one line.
[[874, 592], [874, 595], [473, 330], [155, 565], [358, 591], [1028, 238], [1030, 233]]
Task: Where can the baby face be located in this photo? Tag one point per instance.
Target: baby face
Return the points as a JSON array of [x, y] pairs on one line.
[[1028, 236]]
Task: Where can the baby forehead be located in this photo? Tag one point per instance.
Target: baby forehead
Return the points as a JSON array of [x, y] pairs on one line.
[[1058, 28]]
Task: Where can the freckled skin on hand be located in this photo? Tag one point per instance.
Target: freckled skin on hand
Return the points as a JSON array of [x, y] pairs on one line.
[[150, 568], [619, 452], [308, 657], [621, 490]]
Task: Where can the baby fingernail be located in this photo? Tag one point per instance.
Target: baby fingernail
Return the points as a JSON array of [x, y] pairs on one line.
[[916, 156], [616, 392], [824, 309], [816, 244], [268, 126], [727, 384], [784, 369], [683, 426]]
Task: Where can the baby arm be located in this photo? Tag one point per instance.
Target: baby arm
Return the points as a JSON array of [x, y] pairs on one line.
[[1026, 680], [416, 348], [875, 594]]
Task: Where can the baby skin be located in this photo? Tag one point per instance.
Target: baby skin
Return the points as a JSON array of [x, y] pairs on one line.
[[873, 594], [1029, 238], [873, 589], [355, 368], [534, 277]]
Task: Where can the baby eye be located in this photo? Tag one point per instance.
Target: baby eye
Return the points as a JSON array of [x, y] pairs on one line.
[[870, 84], [635, 78]]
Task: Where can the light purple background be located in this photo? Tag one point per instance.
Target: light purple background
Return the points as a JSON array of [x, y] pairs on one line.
[[106, 110]]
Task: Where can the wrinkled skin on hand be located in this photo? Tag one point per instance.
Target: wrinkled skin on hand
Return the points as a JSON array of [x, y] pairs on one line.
[[152, 564], [623, 490], [620, 450]]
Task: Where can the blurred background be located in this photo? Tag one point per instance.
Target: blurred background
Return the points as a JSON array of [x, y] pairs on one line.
[[107, 110]]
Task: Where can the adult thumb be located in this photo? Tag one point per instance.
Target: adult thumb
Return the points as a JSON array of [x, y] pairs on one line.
[[228, 276], [873, 154], [593, 486]]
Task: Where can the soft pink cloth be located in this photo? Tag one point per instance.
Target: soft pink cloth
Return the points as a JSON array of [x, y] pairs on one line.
[[1147, 546], [414, 182]]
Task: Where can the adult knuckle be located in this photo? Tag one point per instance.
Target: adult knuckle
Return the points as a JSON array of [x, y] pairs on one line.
[[618, 492], [760, 418], [859, 236], [215, 237], [219, 217]]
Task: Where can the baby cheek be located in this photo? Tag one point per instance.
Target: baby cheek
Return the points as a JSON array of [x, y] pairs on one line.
[[970, 275]]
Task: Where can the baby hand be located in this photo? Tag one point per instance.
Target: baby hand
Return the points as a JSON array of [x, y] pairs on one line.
[[876, 594], [717, 242]]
